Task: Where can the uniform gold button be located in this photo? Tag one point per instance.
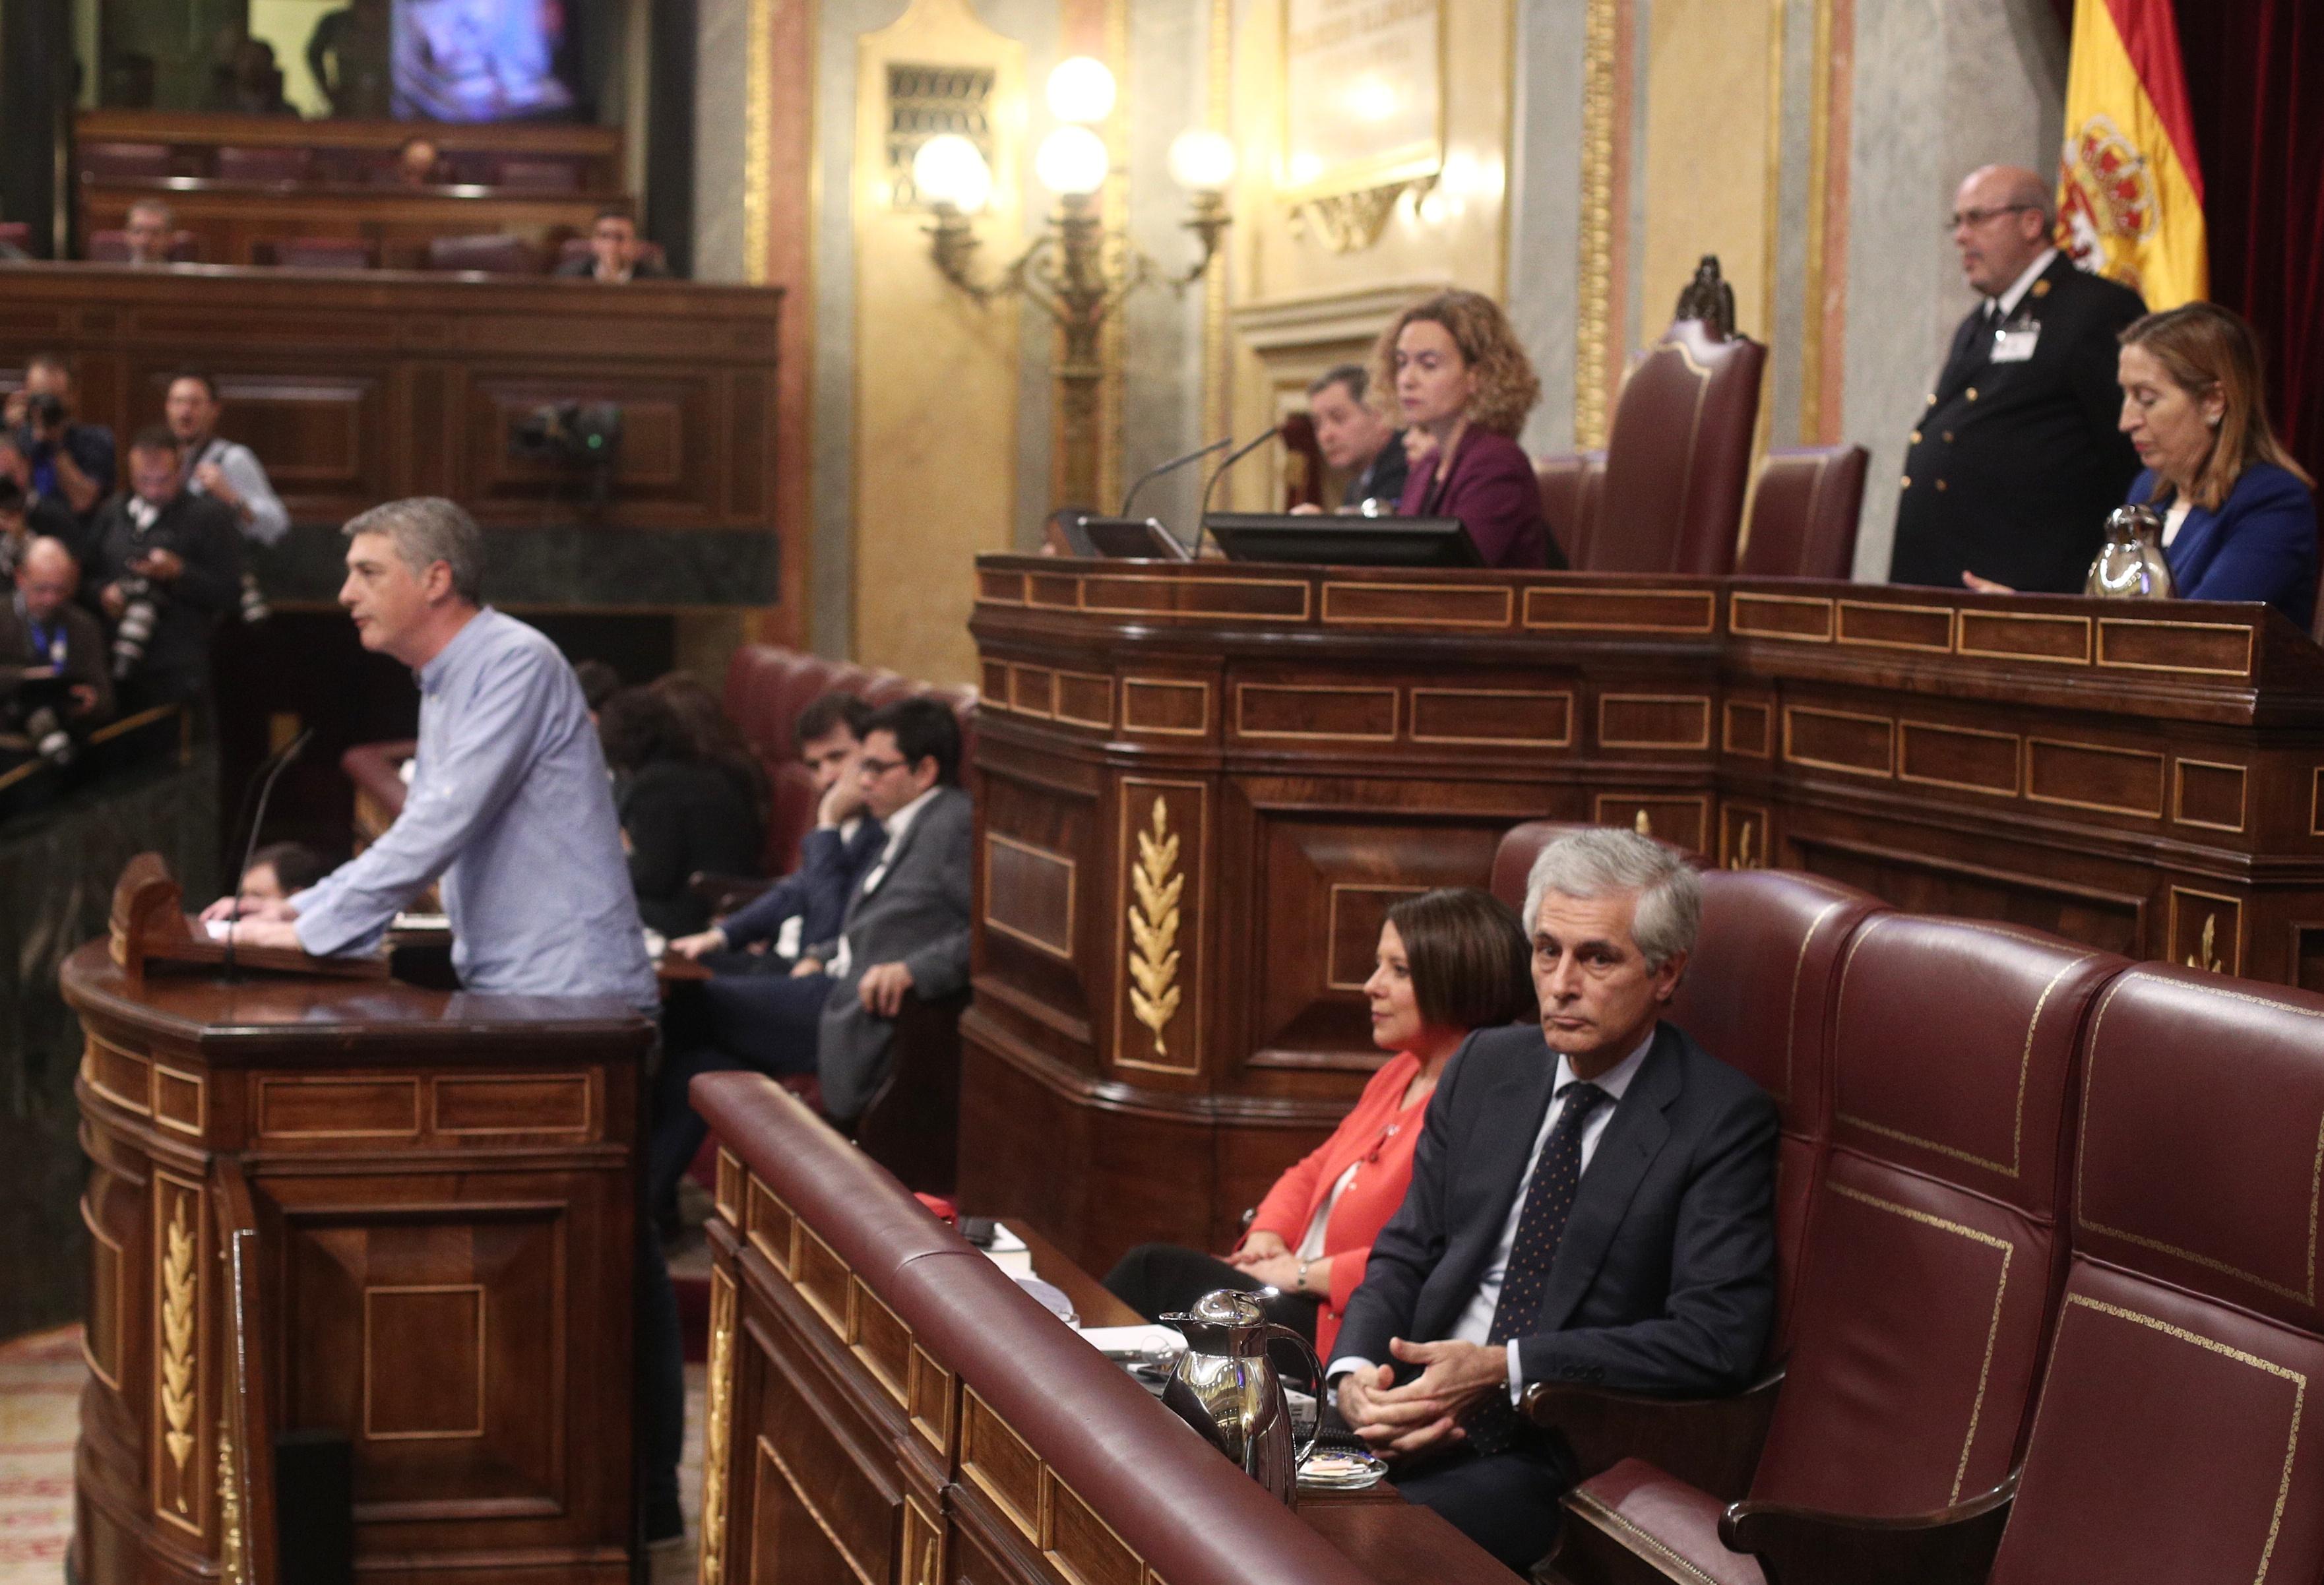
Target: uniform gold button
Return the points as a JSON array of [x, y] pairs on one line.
[[1972, 393], [1932, 399], [1907, 481], [1940, 484], [1916, 437]]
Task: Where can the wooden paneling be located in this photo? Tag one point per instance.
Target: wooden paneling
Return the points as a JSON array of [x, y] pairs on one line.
[[1330, 740], [355, 388], [244, 223]]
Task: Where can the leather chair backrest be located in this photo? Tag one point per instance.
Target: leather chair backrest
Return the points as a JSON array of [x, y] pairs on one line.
[[1569, 488], [548, 176], [265, 164], [112, 247], [326, 252], [17, 233], [1804, 513], [1934, 1253], [1757, 994], [130, 160], [2173, 1441], [1679, 459], [492, 254]]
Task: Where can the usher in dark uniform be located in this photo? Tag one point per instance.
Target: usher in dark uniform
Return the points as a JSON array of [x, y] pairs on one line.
[[2017, 461]]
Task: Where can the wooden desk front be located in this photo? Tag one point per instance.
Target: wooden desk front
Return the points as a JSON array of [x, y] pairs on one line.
[[884, 1404], [357, 387], [1199, 788], [401, 1215]]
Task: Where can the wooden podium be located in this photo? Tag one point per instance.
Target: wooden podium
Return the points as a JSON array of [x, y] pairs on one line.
[[343, 1204], [1199, 788]]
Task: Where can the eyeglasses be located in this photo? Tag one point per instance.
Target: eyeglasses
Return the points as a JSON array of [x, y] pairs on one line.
[[871, 767], [1973, 219]]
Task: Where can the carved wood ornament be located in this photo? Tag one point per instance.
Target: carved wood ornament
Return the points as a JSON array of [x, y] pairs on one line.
[[1154, 991]]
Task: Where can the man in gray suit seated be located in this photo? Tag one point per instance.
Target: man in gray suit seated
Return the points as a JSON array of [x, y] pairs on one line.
[[906, 929]]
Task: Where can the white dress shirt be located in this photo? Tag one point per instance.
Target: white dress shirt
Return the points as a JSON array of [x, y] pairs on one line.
[[268, 520], [1476, 1322], [897, 823], [2008, 300]]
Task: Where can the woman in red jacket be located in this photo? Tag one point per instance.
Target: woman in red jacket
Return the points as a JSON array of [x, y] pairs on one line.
[[1450, 961]]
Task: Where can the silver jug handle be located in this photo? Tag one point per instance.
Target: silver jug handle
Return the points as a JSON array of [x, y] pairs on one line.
[[1323, 1391]]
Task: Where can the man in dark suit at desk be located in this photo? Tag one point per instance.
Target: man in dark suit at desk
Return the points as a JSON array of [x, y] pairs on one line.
[[906, 932], [1595, 1206], [2017, 461]]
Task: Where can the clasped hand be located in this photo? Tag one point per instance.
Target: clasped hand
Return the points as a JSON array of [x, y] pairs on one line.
[[1425, 1412], [266, 924]]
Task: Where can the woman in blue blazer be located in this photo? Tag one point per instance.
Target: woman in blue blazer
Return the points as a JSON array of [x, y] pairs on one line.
[[2239, 514]]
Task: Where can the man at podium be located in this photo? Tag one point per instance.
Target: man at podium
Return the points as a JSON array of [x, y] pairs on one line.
[[511, 808]]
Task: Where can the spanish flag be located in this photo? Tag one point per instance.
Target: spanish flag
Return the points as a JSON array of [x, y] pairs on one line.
[[2130, 190]]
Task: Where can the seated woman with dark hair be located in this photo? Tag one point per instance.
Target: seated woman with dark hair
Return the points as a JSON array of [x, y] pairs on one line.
[[1450, 961], [680, 813], [1461, 386]]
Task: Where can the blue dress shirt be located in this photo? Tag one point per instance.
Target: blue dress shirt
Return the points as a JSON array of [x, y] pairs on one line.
[[2259, 545], [510, 804]]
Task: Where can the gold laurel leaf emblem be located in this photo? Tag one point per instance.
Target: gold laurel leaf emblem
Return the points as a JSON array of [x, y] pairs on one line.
[[1154, 927], [178, 1344]]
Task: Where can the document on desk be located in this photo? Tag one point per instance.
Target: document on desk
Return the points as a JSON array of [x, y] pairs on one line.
[[1008, 1251]]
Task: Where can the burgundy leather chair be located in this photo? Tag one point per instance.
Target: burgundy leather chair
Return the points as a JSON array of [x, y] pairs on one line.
[[326, 252], [1679, 459], [1804, 513], [539, 176], [114, 162], [2172, 1442], [489, 255], [265, 164], [1570, 487], [17, 233], [1933, 1260], [112, 247]]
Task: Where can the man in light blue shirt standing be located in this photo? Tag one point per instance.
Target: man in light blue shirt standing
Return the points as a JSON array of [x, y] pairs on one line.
[[511, 808]]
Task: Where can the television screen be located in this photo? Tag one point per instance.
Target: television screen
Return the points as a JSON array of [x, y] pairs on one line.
[[482, 59]]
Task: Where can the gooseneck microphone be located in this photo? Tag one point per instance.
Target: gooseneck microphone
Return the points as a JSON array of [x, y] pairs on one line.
[[263, 784], [1152, 474], [1202, 523]]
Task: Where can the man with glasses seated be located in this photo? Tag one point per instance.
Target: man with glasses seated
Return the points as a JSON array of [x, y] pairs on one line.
[[2016, 460]]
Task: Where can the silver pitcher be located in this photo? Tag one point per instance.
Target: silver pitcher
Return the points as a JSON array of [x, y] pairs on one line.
[[1225, 1387], [2130, 565]]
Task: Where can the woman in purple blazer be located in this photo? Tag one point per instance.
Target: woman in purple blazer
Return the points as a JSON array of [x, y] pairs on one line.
[[1462, 387]]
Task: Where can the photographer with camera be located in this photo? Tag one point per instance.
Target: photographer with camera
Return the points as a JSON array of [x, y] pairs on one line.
[[166, 564], [54, 685], [226, 471], [70, 462], [26, 516]]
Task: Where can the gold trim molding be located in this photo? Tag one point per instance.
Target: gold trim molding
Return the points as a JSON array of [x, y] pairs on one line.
[[1593, 332], [1353, 221], [1154, 916]]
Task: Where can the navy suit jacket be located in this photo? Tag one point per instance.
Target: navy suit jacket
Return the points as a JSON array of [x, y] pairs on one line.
[[1665, 1281], [830, 869], [2260, 544]]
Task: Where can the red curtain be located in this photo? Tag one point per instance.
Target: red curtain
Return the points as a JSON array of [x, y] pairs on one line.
[[2255, 78]]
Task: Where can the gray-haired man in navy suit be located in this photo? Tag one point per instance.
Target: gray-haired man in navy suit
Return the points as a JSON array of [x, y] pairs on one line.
[[1592, 1201]]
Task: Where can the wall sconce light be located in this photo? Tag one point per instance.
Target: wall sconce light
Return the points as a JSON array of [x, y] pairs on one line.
[[1076, 271]]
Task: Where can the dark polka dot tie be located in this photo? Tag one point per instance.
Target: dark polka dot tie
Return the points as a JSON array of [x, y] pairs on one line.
[[1524, 1281]]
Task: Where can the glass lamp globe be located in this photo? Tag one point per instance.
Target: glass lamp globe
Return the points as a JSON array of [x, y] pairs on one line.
[[950, 169], [1080, 90], [1202, 161], [1071, 162]]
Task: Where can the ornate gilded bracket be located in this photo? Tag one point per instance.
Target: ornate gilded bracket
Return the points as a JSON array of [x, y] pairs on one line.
[[1154, 991], [2205, 957], [178, 1344], [1349, 223]]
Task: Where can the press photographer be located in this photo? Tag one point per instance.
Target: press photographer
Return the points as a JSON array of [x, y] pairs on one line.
[[227, 471], [54, 685], [70, 461], [166, 566]]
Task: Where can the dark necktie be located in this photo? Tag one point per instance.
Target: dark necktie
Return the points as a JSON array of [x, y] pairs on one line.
[[1541, 1226]]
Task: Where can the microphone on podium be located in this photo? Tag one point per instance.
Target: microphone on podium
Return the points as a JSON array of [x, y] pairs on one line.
[[262, 784], [1203, 522], [1152, 474]]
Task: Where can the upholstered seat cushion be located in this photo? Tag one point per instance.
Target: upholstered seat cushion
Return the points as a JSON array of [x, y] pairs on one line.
[[1669, 1523]]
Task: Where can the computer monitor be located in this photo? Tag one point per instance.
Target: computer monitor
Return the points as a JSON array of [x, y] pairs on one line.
[[1330, 540], [1133, 539]]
